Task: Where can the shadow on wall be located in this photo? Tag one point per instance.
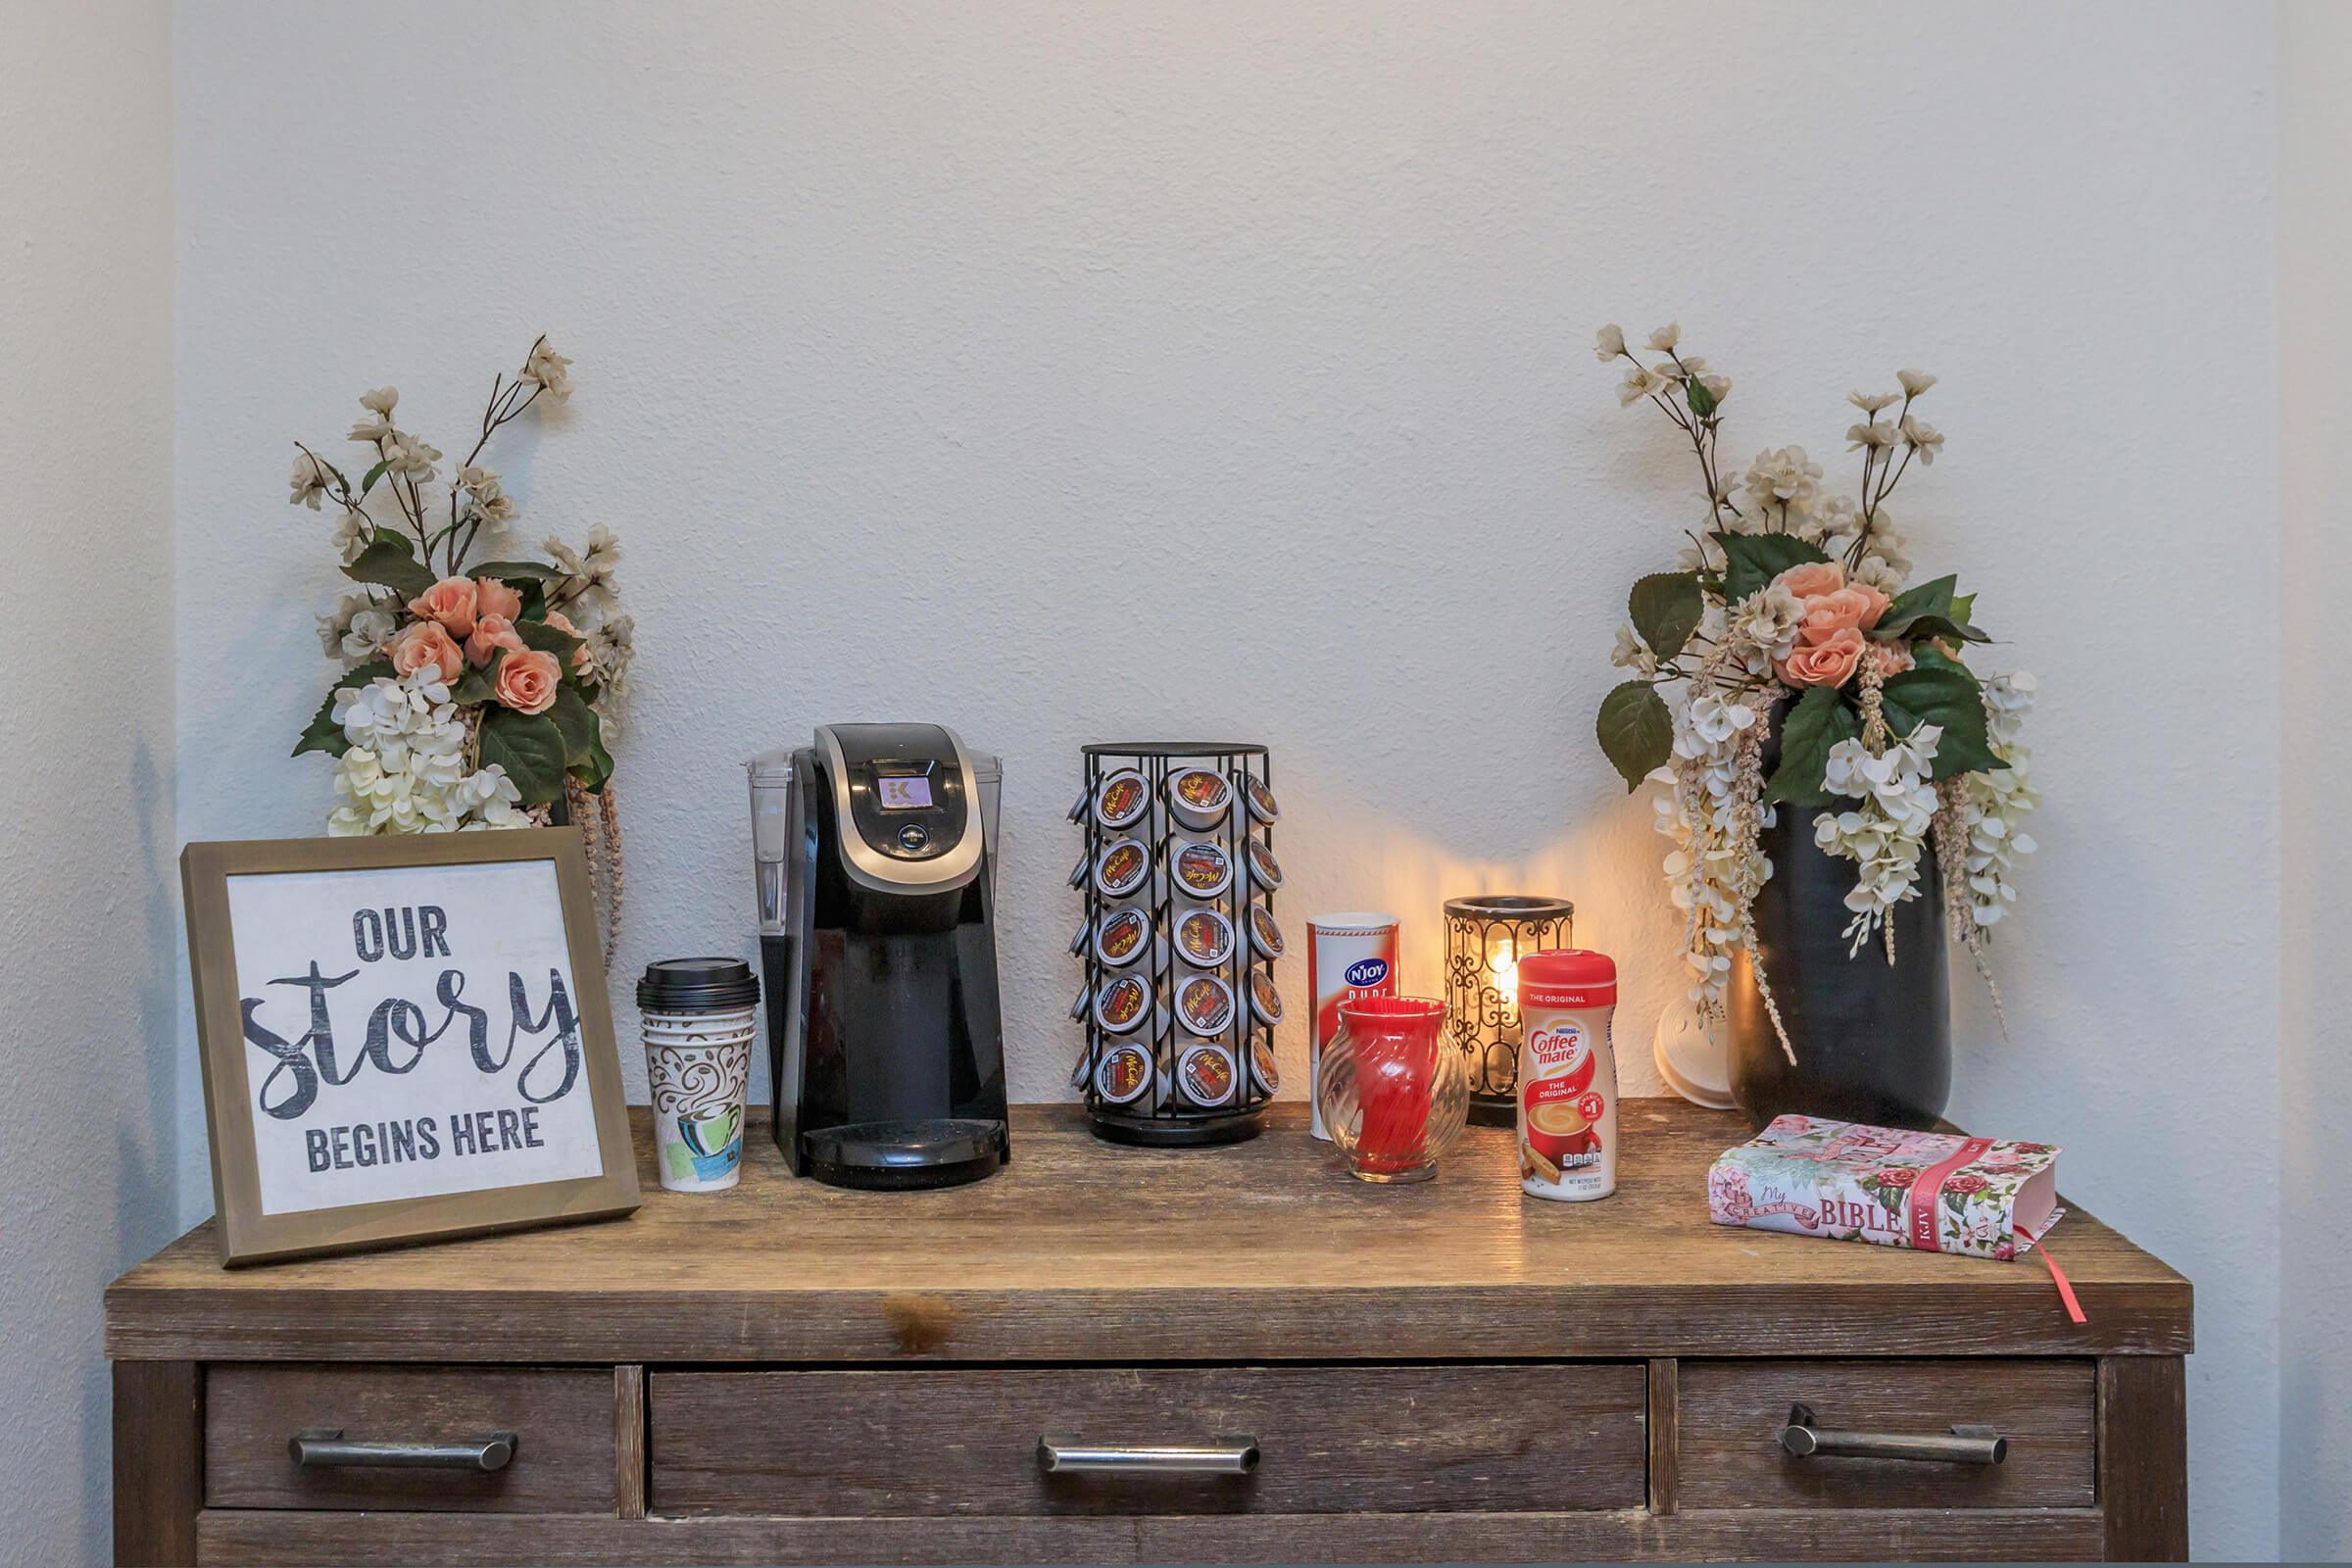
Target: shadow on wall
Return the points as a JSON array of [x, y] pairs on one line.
[[145, 1198]]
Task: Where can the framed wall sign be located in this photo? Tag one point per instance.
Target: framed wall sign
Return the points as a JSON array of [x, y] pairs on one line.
[[403, 1039]]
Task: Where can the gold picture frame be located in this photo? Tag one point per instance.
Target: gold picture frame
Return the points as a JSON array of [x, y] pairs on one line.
[[248, 1233]]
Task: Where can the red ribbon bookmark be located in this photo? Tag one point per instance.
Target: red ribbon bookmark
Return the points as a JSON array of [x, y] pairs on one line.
[[2065, 1290]]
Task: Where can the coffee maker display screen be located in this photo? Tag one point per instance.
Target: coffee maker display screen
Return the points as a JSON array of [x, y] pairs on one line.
[[895, 792]]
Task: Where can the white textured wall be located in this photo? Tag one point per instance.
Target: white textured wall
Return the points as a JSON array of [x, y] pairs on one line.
[[89, 1113], [969, 362], [2315, 341]]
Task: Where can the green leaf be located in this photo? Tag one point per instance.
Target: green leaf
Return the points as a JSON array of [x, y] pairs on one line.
[[1817, 722], [1929, 610], [1927, 655], [473, 687], [1756, 558], [1964, 608], [598, 769], [325, 735], [387, 562], [1635, 732], [548, 638], [1702, 401], [1923, 599], [516, 570], [1666, 608], [377, 473], [1947, 695], [530, 747], [578, 722]]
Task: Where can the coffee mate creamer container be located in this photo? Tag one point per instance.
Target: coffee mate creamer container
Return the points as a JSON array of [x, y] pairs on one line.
[[1347, 956], [1567, 1076]]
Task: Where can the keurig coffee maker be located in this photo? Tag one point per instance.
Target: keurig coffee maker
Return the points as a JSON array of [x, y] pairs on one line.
[[874, 850]]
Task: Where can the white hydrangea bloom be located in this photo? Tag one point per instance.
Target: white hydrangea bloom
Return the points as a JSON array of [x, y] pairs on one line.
[[1767, 622], [405, 769]]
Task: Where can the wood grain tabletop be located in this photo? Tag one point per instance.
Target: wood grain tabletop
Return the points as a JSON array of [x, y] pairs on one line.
[[1084, 1252]]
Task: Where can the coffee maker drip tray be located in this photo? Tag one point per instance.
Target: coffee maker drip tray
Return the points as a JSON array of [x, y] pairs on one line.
[[939, 1151]]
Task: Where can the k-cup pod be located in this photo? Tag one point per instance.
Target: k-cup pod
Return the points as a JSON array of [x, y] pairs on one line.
[[1122, 868], [1265, 1003], [1259, 865], [1124, 936], [1122, 799], [1265, 936], [1205, 938], [1263, 1068], [1204, 1004], [1078, 1068], [1200, 867], [1078, 872], [1198, 797], [1124, 1075], [1258, 798], [1124, 1003], [1204, 1074], [1080, 937], [1077, 811], [1080, 1003]]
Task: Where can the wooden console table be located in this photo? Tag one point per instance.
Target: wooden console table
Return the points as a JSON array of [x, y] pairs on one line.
[[788, 1373]]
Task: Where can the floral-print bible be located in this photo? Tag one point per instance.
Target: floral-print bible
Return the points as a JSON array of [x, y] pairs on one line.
[[1936, 1192]]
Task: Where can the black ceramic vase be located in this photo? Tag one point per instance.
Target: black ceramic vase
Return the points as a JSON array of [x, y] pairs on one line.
[[1873, 1039]]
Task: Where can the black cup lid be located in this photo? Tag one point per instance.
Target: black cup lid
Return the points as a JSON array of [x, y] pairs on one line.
[[697, 984]]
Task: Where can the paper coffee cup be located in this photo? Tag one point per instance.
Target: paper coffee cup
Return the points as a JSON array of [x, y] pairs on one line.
[[696, 1017]]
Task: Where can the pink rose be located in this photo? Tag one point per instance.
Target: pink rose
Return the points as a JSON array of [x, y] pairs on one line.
[[1829, 662], [495, 598], [1839, 610], [1813, 578], [450, 602], [490, 634], [527, 681], [424, 643], [580, 660]]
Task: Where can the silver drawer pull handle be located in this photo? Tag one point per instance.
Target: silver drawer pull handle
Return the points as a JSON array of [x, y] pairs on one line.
[[1220, 1457], [1965, 1444], [324, 1447]]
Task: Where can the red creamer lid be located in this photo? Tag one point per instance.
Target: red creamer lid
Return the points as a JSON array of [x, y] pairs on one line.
[[1568, 977]]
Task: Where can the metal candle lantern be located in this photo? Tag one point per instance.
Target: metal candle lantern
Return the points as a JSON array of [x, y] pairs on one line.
[[1485, 940]]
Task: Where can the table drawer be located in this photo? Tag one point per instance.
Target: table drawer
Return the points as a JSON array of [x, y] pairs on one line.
[[1329, 1439], [1730, 1415], [563, 1460]]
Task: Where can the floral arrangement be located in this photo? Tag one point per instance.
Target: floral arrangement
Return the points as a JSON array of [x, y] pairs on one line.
[[1793, 607], [473, 694]]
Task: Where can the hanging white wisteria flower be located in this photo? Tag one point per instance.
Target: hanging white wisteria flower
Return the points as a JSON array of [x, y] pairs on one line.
[[1887, 832], [1790, 609]]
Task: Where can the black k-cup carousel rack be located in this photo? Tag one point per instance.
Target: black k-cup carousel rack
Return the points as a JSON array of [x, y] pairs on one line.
[[1179, 942]]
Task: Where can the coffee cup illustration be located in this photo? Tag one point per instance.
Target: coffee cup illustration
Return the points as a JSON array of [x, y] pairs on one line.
[[713, 1141], [1558, 1128]]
